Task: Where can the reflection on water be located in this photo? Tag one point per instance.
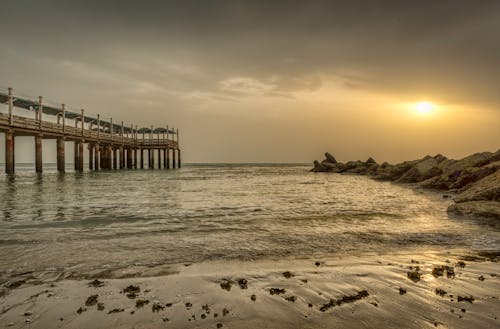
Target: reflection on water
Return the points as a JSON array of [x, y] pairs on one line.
[[95, 220]]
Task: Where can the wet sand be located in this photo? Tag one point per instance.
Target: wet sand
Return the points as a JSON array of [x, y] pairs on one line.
[[421, 289]]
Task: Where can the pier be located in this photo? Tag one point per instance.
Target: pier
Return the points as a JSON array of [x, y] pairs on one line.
[[109, 145]]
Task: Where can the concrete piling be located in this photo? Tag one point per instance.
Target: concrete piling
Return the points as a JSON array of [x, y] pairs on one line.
[[38, 153], [60, 155]]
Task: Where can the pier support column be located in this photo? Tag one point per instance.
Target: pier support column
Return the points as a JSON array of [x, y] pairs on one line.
[[80, 156], [159, 159], [168, 158], [134, 158], [142, 158], [91, 156], [9, 152], [38, 153], [173, 158], [165, 159], [178, 158], [60, 154], [129, 158], [122, 157], [103, 157], [152, 165], [115, 158], [96, 156], [76, 156]]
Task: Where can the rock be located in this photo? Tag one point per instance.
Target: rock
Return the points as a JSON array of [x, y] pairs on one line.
[[141, 302], [486, 189], [100, 306], [226, 285], [461, 264], [253, 298], [465, 299], [243, 283], [219, 325], [291, 299], [330, 158], [414, 275], [116, 310], [28, 313], [276, 291], [91, 300], [402, 291], [96, 283], [287, 274], [318, 167], [157, 307], [440, 292], [188, 305], [225, 311], [345, 299], [132, 289], [370, 161], [481, 278]]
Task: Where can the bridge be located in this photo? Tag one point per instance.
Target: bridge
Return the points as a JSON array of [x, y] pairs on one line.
[[109, 145]]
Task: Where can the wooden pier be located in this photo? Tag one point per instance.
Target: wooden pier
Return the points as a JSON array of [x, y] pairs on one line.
[[109, 145]]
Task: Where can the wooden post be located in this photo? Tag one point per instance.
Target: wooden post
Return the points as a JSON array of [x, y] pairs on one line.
[[60, 154], [168, 157], [159, 158], [142, 157], [150, 159], [9, 152], [91, 156], [77, 156], [165, 159], [115, 158], [38, 153], [63, 118], [178, 158], [39, 112], [11, 107], [129, 158], [122, 157], [96, 155], [80, 155], [173, 158]]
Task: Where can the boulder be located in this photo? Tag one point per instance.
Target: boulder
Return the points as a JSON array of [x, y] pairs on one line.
[[318, 167], [486, 189], [330, 158], [370, 161]]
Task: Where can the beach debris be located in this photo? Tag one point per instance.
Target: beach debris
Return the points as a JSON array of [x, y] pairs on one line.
[[414, 275], [465, 299], [253, 298], [141, 302], [219, 325], [402, 291], [131, 289], [243, 283], [116, 310], [345, 299], [276, 291], [81, 310], [440, 270], [226, 285], [291, 299], [461, 264], [100, 306], [157, 307], [225, 311], [96, 283], [91, 300], [188, 305], [481, 278], [374, 304], [440, 292], [287, 274]]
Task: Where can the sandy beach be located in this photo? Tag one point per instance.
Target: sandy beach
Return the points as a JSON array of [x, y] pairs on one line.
[[454, 289]]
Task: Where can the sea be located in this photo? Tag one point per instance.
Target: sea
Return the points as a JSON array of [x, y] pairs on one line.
[[78, 224]]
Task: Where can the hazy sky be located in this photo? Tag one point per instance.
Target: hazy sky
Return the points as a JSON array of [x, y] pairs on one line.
[[269, 81]]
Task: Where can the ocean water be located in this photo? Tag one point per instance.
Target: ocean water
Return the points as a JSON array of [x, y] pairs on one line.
[[80, 223]]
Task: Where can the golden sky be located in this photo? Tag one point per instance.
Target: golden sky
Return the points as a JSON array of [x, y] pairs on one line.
[[262, 81]]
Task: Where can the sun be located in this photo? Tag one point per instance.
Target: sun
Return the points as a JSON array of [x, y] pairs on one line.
[[424, 107]]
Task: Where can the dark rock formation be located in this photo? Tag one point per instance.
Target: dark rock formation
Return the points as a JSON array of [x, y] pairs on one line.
[[475, 178]]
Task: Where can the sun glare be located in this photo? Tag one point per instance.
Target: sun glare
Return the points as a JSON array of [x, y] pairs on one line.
[[424, 107]]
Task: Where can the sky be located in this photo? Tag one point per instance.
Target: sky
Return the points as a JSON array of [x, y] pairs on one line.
[[268, 81]]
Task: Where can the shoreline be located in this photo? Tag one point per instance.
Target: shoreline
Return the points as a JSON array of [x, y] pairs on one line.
[[362, 291]]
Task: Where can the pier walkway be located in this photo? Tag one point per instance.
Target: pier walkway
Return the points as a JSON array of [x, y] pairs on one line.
[[109, 145]]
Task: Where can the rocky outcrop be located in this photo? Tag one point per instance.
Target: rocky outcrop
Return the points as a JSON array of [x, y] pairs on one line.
[[475, 179]]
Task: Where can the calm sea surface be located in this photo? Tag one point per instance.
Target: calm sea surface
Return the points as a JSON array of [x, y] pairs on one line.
[[82, 223]]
